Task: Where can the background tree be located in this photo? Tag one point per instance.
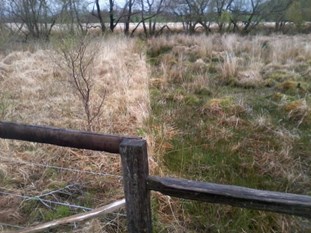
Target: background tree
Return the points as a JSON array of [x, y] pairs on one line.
[[4, 29], [150, 11], [37, 15], [249, 13], [116, 14], [71, 15], [193, 13], [98, 14], [128, 15], [276, 11], [294, 14], [306, 9], [223, 15]]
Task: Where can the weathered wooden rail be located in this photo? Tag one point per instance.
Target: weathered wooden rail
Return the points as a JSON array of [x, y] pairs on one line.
[[138, 183], [61, 137], [279, 202]]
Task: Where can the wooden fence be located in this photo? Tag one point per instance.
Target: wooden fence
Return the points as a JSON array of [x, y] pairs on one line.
[[138, 183]]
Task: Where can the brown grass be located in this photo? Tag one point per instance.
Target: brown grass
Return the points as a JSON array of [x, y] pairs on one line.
[[37, 92]]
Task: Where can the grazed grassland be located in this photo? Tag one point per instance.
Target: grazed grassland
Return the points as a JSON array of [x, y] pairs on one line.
[[232, 110]]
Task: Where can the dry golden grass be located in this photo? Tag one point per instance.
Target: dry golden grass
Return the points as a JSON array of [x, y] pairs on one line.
[[35, 91]]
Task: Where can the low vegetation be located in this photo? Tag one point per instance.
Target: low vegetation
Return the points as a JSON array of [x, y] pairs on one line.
[[231, 110]]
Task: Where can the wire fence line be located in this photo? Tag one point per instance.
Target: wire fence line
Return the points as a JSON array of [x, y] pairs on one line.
[[60, 191], [45, 202], [10, 225], [66, 190], [77, 195], [18, 161], [50, 198]]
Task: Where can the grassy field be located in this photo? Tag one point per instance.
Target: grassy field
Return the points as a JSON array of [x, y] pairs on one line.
[[220, 108], [36, 89], [232, 110]]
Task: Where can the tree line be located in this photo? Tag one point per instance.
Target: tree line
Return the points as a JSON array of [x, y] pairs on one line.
[[38, 18]]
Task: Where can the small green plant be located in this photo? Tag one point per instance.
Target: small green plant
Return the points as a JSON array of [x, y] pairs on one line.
[[58, 212]]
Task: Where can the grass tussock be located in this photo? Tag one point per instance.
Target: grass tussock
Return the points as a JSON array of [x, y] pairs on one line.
[[34, 90], [239, 113]]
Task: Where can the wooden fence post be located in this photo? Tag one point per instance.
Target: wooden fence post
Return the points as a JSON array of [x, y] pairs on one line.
[[135, 172]]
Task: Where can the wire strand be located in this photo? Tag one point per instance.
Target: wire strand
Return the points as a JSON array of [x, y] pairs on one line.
[[44, 201], [59, 168]]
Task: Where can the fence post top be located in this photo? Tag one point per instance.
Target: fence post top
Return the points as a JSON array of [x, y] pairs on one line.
[[139, 142]]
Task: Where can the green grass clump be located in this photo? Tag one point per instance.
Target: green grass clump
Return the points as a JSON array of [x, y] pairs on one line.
[[156, 52], [58, 212]]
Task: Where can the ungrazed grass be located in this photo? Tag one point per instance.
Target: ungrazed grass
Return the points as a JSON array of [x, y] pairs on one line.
[[34, 90]]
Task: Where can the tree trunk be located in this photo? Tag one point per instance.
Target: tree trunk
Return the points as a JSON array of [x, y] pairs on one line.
[[111, 15], [100, 18]]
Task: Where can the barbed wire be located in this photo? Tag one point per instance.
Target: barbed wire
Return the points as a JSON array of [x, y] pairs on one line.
[[43, 201], [51, 198], [61, 190], [57, 167], [10, 225]]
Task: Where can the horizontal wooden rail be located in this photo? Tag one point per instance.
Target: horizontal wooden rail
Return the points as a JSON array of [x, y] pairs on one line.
[[61, 137], [293, 204]]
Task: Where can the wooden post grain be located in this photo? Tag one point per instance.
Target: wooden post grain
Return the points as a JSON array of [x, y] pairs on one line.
[[135, 172]]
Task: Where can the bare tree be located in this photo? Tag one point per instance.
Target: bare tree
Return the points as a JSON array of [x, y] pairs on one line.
[[71, 15], [116, 14], [221, 8], [36, 15], [111, 15], [193, 13], [128, 15], [4, 30], [276, 11], [252, 12], [78, 61], [149, 12], [98, 14]]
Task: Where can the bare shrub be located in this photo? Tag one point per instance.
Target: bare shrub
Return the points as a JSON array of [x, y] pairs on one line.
[[78, 58]]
